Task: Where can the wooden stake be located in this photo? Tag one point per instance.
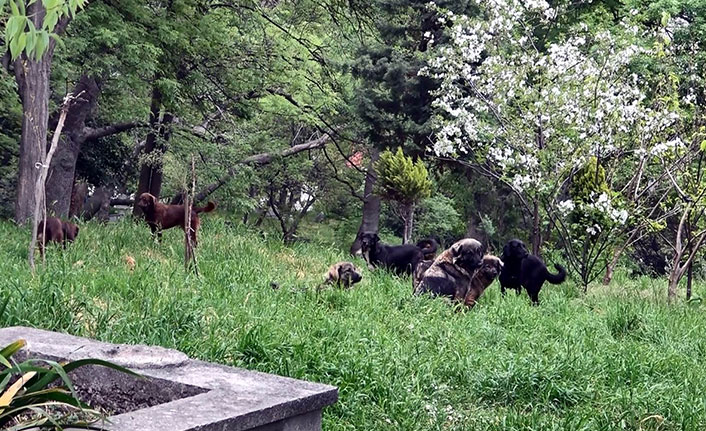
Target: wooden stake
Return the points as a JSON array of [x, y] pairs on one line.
[[39, 187], [189, 251]]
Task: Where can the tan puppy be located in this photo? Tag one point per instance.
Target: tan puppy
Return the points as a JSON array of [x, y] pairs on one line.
[[484, 276], [343, 274], [452, 270]]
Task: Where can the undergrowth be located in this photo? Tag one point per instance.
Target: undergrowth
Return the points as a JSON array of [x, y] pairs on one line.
[[617, 358]]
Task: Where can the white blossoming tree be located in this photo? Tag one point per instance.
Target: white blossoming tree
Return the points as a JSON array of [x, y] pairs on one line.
[[530, 103]]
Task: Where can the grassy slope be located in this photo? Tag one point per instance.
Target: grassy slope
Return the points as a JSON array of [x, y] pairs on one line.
[[615, 359]]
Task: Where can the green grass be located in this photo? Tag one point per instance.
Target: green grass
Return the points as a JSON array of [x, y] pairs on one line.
[[618, 358]]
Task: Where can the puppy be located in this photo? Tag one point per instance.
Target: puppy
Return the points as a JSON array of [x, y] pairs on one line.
[[401, 259], [521, 269], [429, 247], [484, 276], [343, 274], [70, 231], [452, 270], [55, 231], [419, 271], [161, 216]]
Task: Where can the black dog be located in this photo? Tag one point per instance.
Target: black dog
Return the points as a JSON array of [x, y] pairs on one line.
[[521, 269], [401, 259]]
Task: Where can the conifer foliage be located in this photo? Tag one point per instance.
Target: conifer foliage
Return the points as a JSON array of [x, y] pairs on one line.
[[405, 182]]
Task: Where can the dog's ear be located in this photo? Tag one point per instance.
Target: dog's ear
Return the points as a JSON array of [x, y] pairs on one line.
[[376, 237], [456, 250], [506, 251]]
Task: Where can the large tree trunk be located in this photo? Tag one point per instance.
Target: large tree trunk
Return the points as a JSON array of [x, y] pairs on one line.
[[63, 167], [98, 205], [33, 86], [78, 198], [371, 204], [151, 170]]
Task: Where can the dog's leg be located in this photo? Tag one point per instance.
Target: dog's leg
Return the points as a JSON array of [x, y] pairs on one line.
[[533, 293], [155, 232]]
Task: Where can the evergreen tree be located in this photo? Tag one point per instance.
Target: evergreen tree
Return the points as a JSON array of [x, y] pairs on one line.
[[405, 182]]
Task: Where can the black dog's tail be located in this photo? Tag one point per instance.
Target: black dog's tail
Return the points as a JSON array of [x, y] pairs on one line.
[[556, 278]]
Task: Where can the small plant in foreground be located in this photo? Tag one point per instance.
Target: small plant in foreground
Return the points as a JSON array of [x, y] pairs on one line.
[[29, 399]]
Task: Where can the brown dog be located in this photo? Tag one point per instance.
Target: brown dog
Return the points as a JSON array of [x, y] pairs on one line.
[[342, 274], [161, 216], [484, 276], [54, 230], [452, 270]]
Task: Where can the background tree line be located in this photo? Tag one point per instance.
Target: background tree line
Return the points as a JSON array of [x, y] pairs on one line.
[[287, 106]]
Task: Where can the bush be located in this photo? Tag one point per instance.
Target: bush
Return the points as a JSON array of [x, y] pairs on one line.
[[437, 217]]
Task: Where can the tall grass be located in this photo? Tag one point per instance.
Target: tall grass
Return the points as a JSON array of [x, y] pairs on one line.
[[617, 358]]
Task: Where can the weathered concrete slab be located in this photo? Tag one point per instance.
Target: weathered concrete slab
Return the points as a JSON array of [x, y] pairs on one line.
[[182, 394]]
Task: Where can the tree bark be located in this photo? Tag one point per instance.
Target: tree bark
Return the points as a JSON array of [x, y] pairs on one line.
[[371, 204], [408, 216], [32, 79], [690, 270], [78, 198], [689, 279], [63, 168], [149, 172], [98, 205], [536, 231]]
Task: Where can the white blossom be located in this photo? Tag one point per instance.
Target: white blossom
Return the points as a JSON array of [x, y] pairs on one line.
[[499, 97], [565, 207]]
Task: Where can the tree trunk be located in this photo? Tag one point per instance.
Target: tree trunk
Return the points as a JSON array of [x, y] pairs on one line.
[[690, 271], [689, 278], [63, 168], [33, 87], [150, 171], [610, 269], [673, 284], [536, 232], [98, 205], [78, 198], [371, 204], [408, 216]]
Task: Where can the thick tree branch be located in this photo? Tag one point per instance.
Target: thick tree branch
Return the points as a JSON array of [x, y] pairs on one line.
[[90, 133], [261, 160]]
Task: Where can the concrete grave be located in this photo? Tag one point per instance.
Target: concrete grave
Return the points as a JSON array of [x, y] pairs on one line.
[[178, 393]]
